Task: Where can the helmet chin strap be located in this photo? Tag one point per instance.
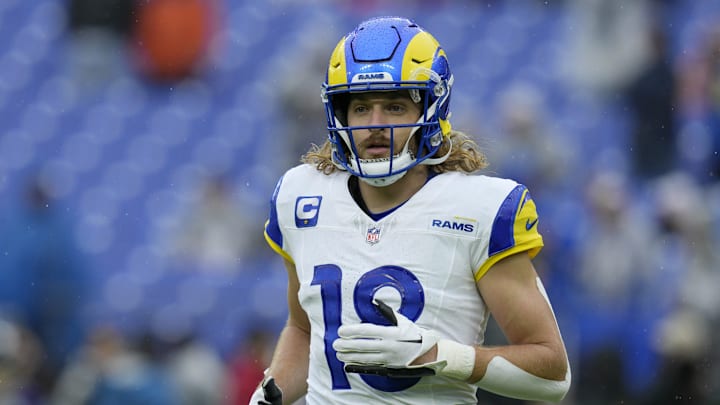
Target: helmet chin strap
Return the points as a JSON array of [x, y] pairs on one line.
[[376, 167], [388, 180]]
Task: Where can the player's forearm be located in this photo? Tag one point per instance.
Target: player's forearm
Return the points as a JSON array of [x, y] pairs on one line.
[[524, 371], [289, 365], [527, 371], [537, 359]]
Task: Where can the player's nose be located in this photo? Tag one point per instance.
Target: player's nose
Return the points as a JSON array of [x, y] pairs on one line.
[[377, 116], [378, 121]]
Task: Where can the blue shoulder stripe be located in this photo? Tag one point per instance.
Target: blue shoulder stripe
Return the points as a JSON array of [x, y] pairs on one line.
[[272, 228], [502, 235]]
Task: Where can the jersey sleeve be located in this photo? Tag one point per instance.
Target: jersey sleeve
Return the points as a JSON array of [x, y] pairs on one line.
[[273, 234], [514, 229]]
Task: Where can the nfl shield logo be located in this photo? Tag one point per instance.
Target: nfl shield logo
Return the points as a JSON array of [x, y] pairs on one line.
[[373, 235]]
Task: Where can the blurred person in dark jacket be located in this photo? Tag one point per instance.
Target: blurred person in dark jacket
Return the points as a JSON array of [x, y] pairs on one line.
[[652, 99], [43, 277]]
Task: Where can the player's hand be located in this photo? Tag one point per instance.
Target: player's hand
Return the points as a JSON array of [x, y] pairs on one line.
[[386, 350], [267, 393]]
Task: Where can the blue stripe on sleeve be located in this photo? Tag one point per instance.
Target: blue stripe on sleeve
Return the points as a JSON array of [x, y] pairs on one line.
[[272, 229], [502, 235]]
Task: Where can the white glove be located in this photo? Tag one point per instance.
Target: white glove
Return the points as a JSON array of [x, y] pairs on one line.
[[389, 347]]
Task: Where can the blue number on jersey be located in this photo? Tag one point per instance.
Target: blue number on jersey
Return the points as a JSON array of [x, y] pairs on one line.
[[412, 302], [328, 276]]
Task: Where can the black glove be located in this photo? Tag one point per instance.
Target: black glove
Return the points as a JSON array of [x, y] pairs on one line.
[[273, 395], [267, 394]]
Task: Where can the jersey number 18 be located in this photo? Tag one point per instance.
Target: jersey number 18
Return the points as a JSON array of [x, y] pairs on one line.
[[329, 277]]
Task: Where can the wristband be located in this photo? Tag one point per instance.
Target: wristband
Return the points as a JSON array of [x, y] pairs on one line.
[[459, 359]]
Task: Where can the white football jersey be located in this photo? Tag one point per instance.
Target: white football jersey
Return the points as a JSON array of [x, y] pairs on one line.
[[423, 259]]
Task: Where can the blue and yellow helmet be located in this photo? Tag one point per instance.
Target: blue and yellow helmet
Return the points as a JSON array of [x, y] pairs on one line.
[[388, 54]]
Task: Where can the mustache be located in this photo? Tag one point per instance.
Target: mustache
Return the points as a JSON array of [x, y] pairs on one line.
[[376, 140]]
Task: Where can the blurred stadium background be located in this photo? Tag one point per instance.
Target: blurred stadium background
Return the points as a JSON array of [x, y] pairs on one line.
[[140, 142]]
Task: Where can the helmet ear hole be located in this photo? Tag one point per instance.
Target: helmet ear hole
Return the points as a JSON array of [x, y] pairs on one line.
[[416, 95], [340, 104], [439, 89]]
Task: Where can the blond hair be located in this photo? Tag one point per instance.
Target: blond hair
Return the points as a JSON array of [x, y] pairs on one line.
[[465, 155]]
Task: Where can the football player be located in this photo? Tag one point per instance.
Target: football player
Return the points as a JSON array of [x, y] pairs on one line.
[[397, 251]]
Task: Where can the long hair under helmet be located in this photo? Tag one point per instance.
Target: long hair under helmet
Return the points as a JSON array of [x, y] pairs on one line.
[[388, 54]]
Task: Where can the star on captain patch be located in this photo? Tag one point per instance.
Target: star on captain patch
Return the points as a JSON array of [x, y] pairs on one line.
[[373, 235]]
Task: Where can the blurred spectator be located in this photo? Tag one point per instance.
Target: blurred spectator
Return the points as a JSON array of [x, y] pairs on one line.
[[699, 94], [683, 340], [607, 45], [652, 104], [108, 371], [699, 84], [690, 239], [526, 148], [248, 365], [112, 15], [688, 307], [216, 233], [611, 287], [20, 356], [172, 38], [44, 281], [197, 370], [98, 31]]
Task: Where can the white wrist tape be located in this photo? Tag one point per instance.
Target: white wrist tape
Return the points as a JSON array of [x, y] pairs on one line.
[[507, 379], [459, 359]]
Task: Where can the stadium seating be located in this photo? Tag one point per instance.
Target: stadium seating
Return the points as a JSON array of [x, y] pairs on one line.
[[125, 156]]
